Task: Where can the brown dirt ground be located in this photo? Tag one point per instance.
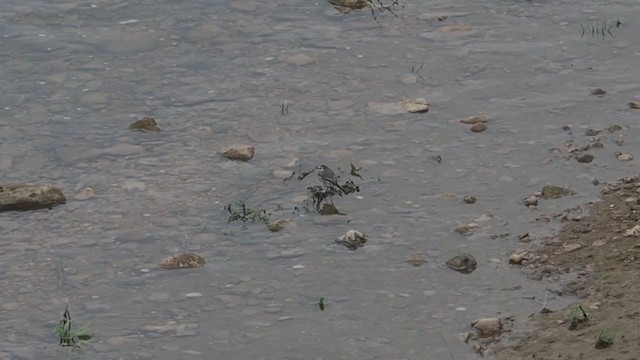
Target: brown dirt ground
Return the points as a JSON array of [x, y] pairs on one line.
[[606, 283]]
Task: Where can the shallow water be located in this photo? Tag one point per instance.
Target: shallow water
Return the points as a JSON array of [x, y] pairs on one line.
[[76, 74]]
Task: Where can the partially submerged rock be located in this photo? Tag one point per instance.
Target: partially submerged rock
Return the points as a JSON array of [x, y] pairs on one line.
[[464, 263], [146, 124], [351, 4], [474, 119], [29, 197], [353, 239], [555, 192], [406, 106], [85, 194], [279, 225], [416, 258], [239, 152], [182, 261], [488, 326], [329, 209]]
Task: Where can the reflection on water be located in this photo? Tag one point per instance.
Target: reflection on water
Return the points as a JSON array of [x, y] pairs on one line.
[[214, 73]]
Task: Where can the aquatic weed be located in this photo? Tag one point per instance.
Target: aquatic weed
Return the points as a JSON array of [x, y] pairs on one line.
[[240, 212], [69, 337]]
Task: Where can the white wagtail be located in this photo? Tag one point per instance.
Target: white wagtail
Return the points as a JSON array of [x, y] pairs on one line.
[[328, 178]]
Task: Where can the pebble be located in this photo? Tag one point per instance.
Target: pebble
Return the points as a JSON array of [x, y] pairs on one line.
[[469, 199], [131, 185], [299, 59], [584, 158], [624, 157], [517, 258], [474, 119], [598, 92], [634, 104], [479, 127], [193, 295], [488, 326], [85, 194]]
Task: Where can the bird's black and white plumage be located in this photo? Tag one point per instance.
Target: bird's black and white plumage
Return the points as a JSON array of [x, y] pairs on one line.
[[328, 178]]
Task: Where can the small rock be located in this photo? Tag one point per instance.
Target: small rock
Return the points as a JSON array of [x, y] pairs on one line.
[[279, 225], [466, 229], [517, 258], [402, 107], [624, 157], [85, 194], [598, 92], [488, 326], [531, 201], [634, 231], [146, 124], [599, 243], [614, 128], [477, 128], [193, 295], [584, 158], [634, 104], [299, 59], [464, 337], [592, 132], [239, 152], [329, 209], [353, 239], [416, 105], [475, 119], [469, 199], [182, 261], [555, 192], [571, 247], [464, 263], [416, 258]]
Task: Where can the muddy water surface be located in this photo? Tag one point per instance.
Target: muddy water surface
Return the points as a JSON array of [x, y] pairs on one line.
[[76, 74]]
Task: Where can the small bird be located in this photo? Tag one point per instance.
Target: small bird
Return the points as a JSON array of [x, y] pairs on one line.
[[328, 178]]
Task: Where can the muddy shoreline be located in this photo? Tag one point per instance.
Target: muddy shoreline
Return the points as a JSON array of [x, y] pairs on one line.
[[596, 259]]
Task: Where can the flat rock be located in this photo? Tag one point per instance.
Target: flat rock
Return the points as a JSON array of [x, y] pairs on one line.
[[299, 59], [473, 119], [406, 106], [29, 197]]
